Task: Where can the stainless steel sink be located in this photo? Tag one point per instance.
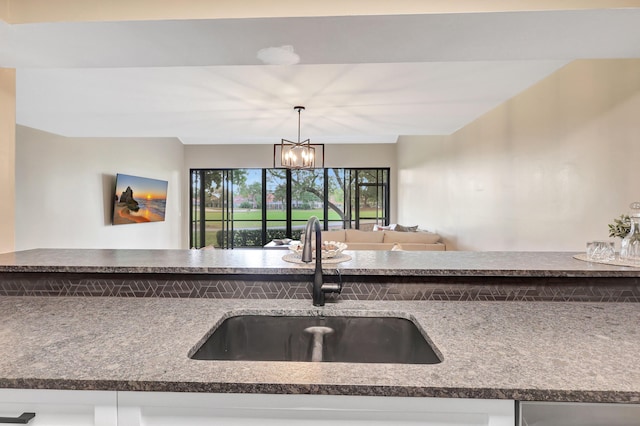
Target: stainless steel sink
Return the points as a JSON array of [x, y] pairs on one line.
[[318, 338]]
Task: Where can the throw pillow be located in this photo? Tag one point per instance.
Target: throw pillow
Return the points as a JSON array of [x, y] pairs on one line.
[[402, 228], [367, 227]]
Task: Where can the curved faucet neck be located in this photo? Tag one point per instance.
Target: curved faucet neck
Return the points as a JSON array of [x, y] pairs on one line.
[[319, 288], [314, 223]]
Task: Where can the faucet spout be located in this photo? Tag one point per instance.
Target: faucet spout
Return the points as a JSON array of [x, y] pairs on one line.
[[319, 288]]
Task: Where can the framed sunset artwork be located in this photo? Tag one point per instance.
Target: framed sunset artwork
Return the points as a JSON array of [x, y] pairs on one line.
[[139, 200]]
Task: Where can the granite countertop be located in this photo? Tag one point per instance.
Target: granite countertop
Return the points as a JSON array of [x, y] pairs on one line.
[[524, 351], [256, 261]]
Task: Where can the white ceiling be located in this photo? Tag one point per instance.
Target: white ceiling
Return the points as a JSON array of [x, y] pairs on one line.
[[362, 78]]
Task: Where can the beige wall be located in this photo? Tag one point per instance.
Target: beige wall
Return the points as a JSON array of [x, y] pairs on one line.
[[4, 10], [547, 170], [64, 185], [65, 188], [7, 158], [261, 156]]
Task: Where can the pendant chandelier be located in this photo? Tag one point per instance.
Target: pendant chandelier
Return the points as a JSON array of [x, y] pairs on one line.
[[297, 155]]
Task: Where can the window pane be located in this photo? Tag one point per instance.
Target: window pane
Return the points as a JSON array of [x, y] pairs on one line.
[[247, 208], [335, 225], [213, 234], [335, 202], [307, 194], [195, 208], [276, 229], [206, 207], [214, 197], [245, 234], [371, 205], [371, 193], [247, 190], [276, 194], [297, 228]]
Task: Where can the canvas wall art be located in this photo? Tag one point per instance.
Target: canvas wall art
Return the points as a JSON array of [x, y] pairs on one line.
[[138, 200]]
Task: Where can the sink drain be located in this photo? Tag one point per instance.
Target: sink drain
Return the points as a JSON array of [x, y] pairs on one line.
[[318, 333]]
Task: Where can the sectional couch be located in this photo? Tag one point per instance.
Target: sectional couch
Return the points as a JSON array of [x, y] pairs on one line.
[[385, 240]]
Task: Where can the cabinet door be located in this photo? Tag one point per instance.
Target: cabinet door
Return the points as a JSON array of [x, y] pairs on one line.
[[60, 407], [193, 409]]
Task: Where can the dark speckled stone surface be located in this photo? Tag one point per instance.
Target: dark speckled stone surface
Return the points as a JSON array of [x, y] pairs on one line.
[[560, 351], [249, 261], [262, 274], [524, 351]]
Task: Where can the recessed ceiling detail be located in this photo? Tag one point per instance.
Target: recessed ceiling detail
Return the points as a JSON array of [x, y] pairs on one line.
[[364, 78], [254, 104]]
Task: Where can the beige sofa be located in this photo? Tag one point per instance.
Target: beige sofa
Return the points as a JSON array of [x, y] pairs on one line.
[[385, 240]]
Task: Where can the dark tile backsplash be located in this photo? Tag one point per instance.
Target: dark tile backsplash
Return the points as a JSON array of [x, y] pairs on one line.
[[354, 288]]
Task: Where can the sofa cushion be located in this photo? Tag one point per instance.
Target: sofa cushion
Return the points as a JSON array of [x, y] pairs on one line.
[[356, 236], [338, 235], [411, 237], [368, 246], [403, 247]]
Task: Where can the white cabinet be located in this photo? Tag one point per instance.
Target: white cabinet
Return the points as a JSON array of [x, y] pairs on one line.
[[199, 409], [60, 407], [110, 408]]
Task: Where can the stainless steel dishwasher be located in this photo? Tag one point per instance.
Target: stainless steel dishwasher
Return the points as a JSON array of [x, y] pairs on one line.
[[577, 414]]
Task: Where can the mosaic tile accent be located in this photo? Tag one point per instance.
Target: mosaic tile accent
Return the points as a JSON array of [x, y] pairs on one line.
[[354, 288], [488, 292]]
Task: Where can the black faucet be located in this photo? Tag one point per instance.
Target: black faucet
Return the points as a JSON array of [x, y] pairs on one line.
[[319, 288]]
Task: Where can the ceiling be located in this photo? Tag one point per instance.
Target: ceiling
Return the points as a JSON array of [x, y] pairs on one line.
[[362, 79]]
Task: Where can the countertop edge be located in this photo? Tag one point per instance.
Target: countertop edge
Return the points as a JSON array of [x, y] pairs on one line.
[[556, 395], [623, 272], [271, 262]]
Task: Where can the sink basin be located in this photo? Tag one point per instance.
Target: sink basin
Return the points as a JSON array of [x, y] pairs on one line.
[[318, 338]]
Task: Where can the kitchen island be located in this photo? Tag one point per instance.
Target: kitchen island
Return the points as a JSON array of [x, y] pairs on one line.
[[270, 262], [368, 275], [519, 349]]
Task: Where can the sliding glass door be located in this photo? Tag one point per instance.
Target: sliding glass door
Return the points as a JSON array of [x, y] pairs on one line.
[[210, 209], [250, 207]]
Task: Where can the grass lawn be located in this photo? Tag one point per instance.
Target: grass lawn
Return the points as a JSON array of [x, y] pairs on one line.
[[256, 215]]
